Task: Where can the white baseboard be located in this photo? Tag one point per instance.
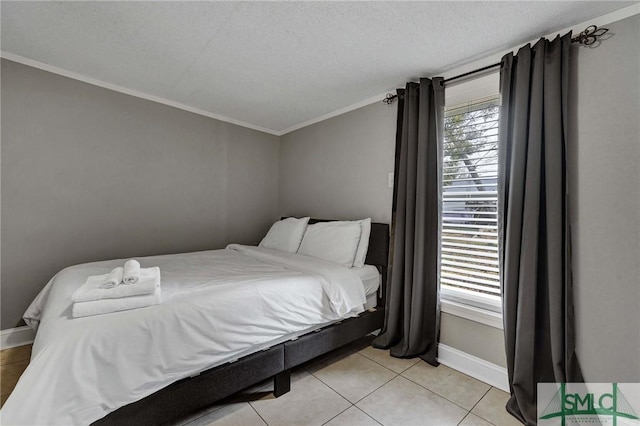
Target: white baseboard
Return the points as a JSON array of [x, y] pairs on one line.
[[473, 366], [18, 336]]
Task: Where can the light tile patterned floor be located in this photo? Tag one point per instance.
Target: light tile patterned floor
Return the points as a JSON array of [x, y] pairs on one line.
[[353, 386], [360, 385]]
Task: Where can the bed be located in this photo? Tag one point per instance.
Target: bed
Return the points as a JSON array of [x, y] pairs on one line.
[[184, 369]]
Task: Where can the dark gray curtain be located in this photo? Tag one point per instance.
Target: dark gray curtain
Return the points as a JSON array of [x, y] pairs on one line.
[[412, 306], [534, 232]]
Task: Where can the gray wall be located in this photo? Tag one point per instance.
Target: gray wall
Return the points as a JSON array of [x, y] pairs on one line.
[[91, 174], [61, 206], [480, 340], [316, 175], [338, 168], [605, 188]]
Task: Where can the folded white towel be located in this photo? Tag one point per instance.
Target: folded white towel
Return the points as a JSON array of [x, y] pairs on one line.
[[105, 306], [131, 272], [113, 278], [91, 290]]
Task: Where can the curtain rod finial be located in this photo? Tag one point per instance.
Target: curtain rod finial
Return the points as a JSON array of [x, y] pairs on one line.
[[389, 98], [590, 35]]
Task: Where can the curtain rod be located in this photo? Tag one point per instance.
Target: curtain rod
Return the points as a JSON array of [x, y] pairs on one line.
[[587, 37]]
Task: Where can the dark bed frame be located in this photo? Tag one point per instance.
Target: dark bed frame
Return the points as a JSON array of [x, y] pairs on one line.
[[189, 395]]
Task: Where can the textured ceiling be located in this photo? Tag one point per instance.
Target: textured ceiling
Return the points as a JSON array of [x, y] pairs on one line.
[[274, 64]]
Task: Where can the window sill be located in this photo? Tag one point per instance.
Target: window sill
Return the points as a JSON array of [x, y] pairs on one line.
[[483, 316]]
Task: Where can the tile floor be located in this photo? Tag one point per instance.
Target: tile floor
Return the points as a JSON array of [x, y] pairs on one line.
[[360, 385], [353, 386]]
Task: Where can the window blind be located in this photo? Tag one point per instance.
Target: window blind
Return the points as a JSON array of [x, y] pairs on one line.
[[469, 226]]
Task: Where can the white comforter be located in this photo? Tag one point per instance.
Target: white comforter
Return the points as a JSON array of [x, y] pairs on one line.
[[217, 306]]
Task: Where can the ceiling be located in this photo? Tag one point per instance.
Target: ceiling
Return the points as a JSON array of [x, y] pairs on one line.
[[274, 65]]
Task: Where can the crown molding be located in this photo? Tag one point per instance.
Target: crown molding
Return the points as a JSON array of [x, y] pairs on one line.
[[131, 92], [459, 69], [494, 57], [352, 107], [609, 18]]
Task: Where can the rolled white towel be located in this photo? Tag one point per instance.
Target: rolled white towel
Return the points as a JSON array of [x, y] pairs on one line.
[[131, 272], [90, 290], [113, 278]]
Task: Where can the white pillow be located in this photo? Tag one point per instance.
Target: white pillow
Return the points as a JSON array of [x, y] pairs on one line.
[[363, 246], [333, 241], [286, 234]]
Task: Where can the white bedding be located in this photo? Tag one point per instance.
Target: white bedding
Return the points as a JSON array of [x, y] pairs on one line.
[[217, 306], [370, 277]]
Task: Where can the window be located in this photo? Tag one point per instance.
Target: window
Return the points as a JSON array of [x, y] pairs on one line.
[[469, 270]]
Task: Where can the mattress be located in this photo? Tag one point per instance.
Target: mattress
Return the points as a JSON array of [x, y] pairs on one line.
[[217, 306], [371, 279]]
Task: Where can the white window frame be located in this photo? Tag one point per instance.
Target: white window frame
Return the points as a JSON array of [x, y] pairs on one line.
[[475, 306]]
